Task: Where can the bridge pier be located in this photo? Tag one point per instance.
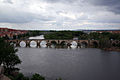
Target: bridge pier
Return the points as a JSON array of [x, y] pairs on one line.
[[48, 45], [38, 44], [27, 43], [17, 43]]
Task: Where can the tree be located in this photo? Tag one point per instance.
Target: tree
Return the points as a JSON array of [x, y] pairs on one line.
[[7, 56], [20, 76], [37, 77], [6, 37], [104, 43], [59, 79]]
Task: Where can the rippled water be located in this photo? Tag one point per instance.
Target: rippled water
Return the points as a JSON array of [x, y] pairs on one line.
[[71, 64]]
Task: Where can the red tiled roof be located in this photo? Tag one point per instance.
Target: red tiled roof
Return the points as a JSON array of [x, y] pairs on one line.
[[11, 32]]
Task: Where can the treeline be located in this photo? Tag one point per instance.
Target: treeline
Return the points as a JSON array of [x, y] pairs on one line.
[[68, 35], [35, 76], [81, 35], [63, 34]]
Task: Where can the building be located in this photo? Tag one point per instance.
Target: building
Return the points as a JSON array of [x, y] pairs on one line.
[[110, 31], [101, 31], [11, 32]]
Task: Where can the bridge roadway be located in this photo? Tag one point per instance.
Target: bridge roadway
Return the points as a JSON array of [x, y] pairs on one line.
[[87, 43]]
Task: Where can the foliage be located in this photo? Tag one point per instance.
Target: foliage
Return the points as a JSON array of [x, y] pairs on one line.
[[37, 77], [63, 34], [81, 35], [59, 79], [7, 55], [104, 43], [19, 76]]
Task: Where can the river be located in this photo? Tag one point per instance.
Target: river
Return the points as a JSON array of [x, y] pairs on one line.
[[70, 64]]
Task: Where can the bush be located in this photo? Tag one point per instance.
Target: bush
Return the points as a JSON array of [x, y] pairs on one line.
[[37, 77]]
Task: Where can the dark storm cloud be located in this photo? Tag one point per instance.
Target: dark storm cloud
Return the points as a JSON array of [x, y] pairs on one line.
[[62, 1], [13, 16], [22, 18], [15, 19], [112, 5], [105, 2], [8, 1]]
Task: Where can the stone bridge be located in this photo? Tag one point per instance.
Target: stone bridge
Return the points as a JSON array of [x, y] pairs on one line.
[[68, 43]]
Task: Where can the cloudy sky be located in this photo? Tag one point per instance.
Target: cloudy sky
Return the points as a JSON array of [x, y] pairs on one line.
[[60, 14]]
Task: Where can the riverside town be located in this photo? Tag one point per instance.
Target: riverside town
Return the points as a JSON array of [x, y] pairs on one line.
[[59, 39], [106, 40]]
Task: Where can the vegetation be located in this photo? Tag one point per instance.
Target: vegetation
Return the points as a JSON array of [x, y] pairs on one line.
[[81, 35], [104, 43], [20, 76], [8, 58], [37, 77], [63, 34]]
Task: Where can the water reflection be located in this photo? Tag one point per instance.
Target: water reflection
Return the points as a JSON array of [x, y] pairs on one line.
[[33, 44], [22, 44], [73, 44], [84, 45], [43, 44]]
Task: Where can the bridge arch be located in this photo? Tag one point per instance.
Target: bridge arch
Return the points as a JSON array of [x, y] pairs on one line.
[[22, 44], [116, 43], [74, 44], [33, 43], [53, 44], [84, 44], [79, 45], [63, 44], [95, 44], [43, 43]]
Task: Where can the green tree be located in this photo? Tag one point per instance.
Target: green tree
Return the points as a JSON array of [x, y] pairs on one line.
[[59, 79], [37, 77], [20, 76], [104, 43], [7, 56]]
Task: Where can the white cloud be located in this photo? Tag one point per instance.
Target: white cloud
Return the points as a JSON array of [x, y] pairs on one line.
[[54, 14], [68, 15]]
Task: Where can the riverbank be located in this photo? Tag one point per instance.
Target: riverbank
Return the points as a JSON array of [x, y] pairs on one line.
[[112, 49]]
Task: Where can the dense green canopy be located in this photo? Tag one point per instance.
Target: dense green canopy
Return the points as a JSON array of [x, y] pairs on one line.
[[7, 55]]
